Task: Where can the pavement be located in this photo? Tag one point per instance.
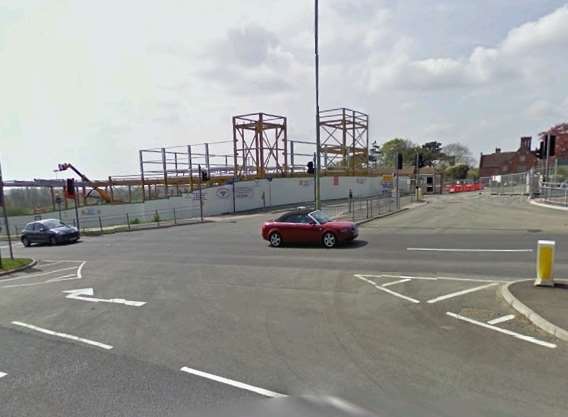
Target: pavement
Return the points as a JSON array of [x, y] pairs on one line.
[[546, 307], [406, 321]]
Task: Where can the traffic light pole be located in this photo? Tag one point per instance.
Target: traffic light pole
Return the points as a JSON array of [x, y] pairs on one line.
[[6, 224], [417, 178], [546, 167]]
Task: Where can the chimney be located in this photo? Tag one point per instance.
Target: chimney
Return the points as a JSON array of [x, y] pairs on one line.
[[497, 150], [526, 143]]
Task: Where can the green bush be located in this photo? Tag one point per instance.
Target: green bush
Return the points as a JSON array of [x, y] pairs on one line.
[[156, 217], [135, 221]]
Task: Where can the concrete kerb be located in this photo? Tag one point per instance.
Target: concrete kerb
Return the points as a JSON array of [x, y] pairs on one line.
[[19, 269], [417, 205], [535, 318], [550, 206]]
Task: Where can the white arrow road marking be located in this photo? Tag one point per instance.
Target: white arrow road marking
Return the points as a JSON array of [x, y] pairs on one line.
[[63, 335], [86, 294], [233, 383], [3, 374]]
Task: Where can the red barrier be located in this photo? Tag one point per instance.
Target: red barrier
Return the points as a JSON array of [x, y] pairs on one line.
[[459, 188]]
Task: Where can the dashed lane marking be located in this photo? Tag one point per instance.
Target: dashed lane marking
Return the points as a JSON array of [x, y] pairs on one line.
[[62, 335], [458, 293], [502, 319], [504, 331], [467, 250], [232, 382]]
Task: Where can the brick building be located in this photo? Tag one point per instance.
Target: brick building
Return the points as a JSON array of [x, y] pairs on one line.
[[561, 146], [499, 163]]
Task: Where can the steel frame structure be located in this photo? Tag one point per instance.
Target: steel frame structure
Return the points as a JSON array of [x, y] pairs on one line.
[[260, 145], [345, 138]]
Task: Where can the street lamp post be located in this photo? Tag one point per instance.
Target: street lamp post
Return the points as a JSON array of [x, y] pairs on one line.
[[318, 139]]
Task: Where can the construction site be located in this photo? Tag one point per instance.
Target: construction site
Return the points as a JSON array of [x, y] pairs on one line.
[[260, 148]]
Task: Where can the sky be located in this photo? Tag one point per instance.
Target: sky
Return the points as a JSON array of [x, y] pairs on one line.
[[92, 82]]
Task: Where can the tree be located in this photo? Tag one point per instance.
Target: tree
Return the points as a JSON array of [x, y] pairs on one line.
[[397, 145], [473, 173], [460, 153], [457, 172], [431, 151]]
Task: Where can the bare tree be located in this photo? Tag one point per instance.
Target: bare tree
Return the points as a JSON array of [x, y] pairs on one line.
[[460, 153]]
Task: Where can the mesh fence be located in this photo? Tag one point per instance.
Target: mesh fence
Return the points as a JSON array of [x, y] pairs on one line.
[[519, 183]]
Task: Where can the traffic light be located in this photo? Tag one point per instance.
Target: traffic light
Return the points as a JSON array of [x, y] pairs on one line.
[[551, 145], [310, 167], [70, 188], [420, 160], [540, 154], [399, 161]]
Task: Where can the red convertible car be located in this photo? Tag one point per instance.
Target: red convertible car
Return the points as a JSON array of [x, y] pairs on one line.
[[308, 226]]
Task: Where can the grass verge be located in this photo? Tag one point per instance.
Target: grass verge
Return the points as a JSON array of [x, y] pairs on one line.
[[9, 264]]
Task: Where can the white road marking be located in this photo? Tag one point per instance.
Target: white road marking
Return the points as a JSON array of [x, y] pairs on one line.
[[400, 281], [3, 374], [39, 274], [233, 383], [68, 277], [86, 294], [433, 278], [63, 335], [458, 293], [502, 319], [378, 287], [504, 331], [467, 250]]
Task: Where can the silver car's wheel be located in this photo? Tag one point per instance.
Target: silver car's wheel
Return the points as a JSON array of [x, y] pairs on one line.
[[26, 242], [329, 240], [275, 239]]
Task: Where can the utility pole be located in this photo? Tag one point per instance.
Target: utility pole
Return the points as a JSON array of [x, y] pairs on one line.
[[6, 224], [318, 139]]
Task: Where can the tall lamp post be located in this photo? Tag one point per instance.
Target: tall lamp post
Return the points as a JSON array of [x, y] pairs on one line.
[[318, 139]]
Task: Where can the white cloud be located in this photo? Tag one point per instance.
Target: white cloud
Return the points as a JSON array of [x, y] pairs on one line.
[[524, 51], [92, 82]]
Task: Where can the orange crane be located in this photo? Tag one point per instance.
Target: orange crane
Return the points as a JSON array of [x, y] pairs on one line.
[[102, 193]]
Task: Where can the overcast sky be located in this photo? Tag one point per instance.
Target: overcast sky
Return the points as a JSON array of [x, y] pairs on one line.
[[91, 82]]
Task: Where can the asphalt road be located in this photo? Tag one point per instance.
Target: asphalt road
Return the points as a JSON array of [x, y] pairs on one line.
[[367, 322]]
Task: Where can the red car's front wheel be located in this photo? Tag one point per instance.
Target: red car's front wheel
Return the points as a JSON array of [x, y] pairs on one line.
[[329, 240], [275, 239]]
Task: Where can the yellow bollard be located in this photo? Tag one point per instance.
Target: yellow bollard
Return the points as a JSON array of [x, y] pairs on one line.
[[545, 263]]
